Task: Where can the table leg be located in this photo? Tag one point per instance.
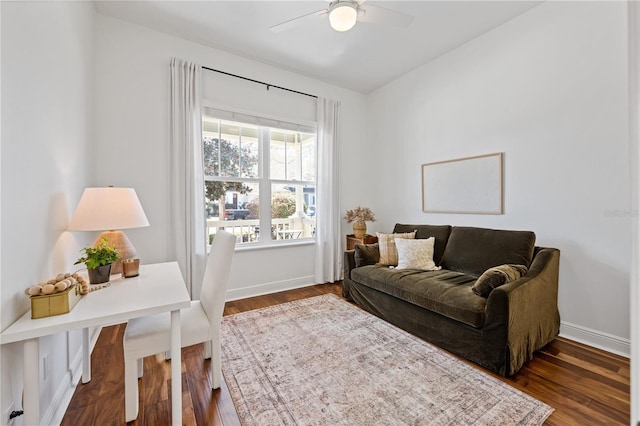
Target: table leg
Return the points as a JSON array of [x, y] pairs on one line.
[[86, 356], [31, 378], [176, 369]]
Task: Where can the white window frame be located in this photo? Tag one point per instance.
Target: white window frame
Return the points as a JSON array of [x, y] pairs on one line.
[[264, 123]]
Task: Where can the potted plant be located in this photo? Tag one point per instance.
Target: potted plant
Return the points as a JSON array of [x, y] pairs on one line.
[[98, 260], [359, 216]]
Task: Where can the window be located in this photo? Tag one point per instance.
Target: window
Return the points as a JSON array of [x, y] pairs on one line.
[[260, 177]]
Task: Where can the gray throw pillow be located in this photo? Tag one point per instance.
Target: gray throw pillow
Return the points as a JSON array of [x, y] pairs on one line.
[[366, 254], [497, 276]]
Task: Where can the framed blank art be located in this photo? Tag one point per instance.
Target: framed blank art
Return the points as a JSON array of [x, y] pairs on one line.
[[464, 185]]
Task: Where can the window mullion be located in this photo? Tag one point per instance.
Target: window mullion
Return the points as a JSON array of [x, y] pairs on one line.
[[240, 130], [299, 154], [264, 145], [219, 148]]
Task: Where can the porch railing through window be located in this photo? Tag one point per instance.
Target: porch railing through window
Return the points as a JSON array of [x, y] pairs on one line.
[[248, 230]]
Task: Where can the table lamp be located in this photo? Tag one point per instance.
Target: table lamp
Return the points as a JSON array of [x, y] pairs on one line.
[[110, 209]]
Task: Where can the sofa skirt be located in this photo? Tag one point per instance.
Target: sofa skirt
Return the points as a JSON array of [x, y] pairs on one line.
[[486, 347]]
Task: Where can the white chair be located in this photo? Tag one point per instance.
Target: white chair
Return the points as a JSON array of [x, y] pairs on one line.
[[200, 323]]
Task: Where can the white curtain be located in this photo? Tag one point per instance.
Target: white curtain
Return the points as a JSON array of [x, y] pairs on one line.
[[187, 221], [328, 256]]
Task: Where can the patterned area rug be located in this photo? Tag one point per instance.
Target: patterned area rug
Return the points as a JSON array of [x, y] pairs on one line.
[[322, 361]]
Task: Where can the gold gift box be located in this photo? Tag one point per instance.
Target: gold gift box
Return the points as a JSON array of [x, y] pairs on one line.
[[56, 303]]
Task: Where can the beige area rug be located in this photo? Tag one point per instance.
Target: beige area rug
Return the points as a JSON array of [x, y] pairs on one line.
[[323, 361]]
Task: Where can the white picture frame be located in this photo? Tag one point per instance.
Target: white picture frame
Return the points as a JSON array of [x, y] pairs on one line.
[[471, 185]]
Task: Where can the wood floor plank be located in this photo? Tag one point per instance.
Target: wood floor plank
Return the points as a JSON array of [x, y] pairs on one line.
[[226, 408], [188, 412], [609, 371], [586, 386], [612, 414], [602, 359], [567, 402], [599, 391], [157, 414], [571, 378], [573, 347], [199, 386], [581, 374], [625, 371]]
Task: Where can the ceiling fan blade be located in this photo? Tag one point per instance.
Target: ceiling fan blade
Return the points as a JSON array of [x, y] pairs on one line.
[[379, 15], [296, 22]]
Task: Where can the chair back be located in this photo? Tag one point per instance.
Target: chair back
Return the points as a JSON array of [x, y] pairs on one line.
[[216, 277]]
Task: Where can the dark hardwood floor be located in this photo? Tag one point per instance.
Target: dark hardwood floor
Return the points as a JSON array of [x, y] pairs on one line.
[[586, 386]]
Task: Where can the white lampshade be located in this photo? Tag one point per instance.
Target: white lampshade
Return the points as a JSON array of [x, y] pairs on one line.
[[343, 16], [110, 208]]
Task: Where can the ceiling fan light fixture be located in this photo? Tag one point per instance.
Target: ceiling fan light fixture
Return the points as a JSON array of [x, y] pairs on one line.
[[343, 15]]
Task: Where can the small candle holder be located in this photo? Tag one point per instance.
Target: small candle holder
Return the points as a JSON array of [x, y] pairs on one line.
[[130, 268]]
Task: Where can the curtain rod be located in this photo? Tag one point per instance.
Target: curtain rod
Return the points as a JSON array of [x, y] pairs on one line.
[[259, 82]]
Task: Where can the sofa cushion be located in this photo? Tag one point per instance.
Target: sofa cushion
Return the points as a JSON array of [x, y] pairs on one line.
[[445, 292], [416, 254], [439, 232], [474, 250], [387, 246], [497, 276], [366, 254]]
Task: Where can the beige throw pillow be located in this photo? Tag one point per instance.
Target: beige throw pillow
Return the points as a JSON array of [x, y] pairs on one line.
[[416, 254], [387, 246]]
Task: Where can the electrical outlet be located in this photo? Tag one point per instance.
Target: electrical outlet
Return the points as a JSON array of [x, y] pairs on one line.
[[7, 413]]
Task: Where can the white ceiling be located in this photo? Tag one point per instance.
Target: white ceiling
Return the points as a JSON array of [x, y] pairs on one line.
[[362, 59]]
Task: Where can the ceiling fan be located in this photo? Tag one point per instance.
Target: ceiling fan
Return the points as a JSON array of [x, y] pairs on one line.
[[343, 15]]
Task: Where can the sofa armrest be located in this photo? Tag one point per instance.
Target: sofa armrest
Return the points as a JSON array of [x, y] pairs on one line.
[[530, 307], [349, 264]]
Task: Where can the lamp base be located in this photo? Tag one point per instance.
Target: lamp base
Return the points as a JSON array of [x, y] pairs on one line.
[[119, 240]]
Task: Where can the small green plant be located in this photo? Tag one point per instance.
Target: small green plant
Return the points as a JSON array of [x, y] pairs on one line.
[[102, 254]]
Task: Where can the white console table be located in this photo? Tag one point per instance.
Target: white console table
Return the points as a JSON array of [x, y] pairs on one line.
[[158, 288]]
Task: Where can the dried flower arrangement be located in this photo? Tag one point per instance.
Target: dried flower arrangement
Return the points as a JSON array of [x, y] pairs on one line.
[[360, 214]]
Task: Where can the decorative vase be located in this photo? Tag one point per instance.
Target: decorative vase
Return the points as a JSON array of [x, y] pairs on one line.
[[100, 274], [359, 229]]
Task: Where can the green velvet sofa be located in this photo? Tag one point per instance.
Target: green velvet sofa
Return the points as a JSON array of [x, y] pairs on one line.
[[500, 332]]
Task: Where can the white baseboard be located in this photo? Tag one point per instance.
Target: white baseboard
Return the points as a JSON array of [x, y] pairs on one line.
[[267, 288], [56, 411], [597, 339]]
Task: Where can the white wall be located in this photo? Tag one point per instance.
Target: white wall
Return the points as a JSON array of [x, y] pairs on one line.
[[47, 115], [549, 89], [132, 81]]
